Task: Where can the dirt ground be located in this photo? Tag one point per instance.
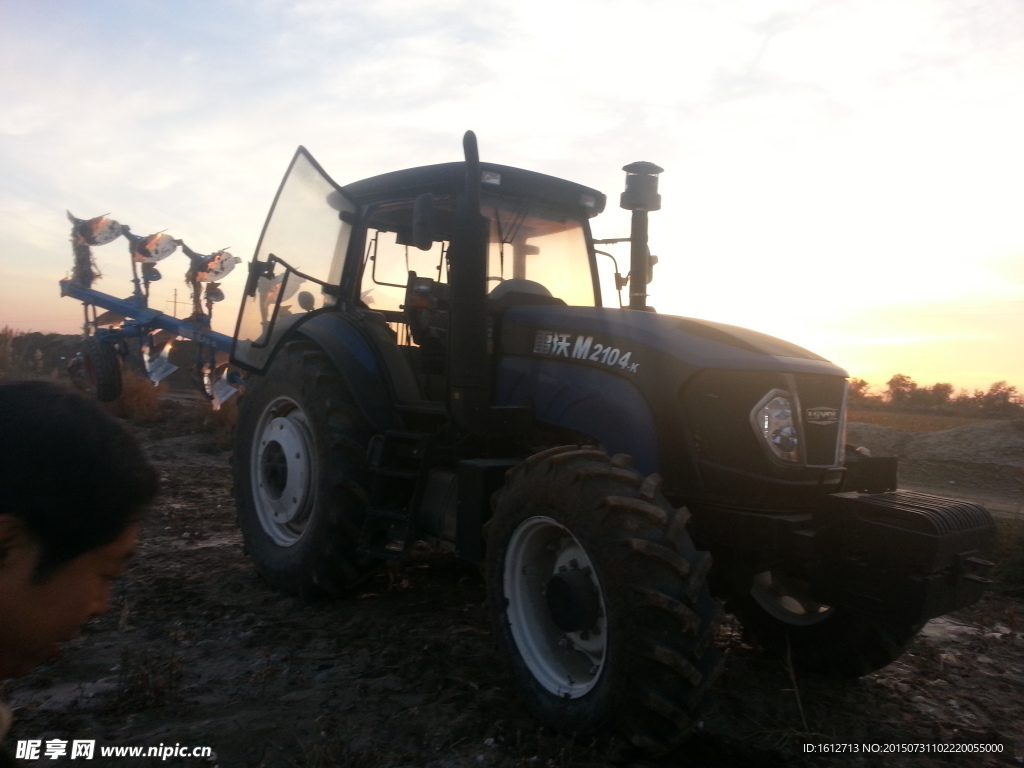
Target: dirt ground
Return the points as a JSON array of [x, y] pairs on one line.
[[197, 651], [974, 459]]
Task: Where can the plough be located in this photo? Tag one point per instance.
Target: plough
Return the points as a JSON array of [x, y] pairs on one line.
[[108, 336]]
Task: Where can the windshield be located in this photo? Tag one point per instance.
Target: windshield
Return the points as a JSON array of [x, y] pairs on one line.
[[535, 242]]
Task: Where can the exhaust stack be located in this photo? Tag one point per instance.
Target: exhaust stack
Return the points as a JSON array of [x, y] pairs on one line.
[[640, 197], [467, 366]]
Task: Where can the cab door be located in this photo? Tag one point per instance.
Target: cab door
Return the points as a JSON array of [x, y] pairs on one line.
[[298, 262]]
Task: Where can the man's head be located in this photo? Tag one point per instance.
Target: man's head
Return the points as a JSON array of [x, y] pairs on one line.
[[73, 486]]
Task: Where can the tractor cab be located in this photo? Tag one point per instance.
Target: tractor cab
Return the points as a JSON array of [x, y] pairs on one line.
[[394, 247]]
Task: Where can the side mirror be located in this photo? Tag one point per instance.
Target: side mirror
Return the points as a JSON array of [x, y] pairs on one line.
[[423, 222]]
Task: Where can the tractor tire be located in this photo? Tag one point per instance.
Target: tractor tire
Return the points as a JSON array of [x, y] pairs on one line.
[[101, 370], [600, 599], [778, 614], [301, 475]]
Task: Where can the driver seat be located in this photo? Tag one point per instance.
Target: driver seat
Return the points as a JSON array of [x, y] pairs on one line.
[[518, 291]]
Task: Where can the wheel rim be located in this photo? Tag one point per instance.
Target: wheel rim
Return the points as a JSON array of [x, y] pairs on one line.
[[788, 599], [283, 471], [546, 566]]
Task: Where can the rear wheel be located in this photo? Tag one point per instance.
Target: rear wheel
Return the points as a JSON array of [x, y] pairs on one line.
[[100, 374], [600, 599], [780, 614], [300, 475]]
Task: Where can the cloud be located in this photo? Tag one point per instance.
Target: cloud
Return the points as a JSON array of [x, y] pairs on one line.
[[872, 147]]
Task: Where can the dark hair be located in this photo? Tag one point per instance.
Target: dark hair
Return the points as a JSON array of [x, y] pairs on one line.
[[74, 476]]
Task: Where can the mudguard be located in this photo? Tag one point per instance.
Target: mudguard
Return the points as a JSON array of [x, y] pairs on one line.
[[375, 380], [591, 402]]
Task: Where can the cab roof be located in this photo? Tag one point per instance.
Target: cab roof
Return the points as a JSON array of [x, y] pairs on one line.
[[503, 180]]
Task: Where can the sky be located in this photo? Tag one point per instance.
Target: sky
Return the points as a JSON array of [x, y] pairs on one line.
[[844, 174]]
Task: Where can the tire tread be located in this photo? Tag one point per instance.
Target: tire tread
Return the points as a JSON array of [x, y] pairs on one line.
[[652, 576], [328, 563]]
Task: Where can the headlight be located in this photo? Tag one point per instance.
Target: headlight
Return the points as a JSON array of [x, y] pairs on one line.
[[773, 420]]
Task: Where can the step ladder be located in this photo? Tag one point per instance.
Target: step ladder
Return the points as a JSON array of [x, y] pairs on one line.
[[399, 461]]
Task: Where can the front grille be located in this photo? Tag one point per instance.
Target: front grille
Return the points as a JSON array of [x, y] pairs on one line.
[[732, 459], [820, 403]]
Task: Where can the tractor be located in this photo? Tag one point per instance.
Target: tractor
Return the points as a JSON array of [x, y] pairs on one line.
[[428, 359]]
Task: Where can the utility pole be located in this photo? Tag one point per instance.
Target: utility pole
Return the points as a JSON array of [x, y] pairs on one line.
[[175, 302]]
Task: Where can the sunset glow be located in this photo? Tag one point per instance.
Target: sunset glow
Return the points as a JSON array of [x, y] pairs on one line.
[[844, 175]]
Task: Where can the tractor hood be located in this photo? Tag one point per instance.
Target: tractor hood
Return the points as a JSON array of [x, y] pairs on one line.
[[644, 344], [678, 394]]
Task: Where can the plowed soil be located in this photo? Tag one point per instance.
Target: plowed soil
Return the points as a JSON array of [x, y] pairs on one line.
[[197, 651]]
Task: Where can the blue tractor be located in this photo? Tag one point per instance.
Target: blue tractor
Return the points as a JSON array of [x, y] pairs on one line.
[[428, 360]]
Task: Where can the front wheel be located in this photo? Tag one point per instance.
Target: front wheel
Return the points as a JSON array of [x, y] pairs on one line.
[[600, 599], [781, 615], [300, 475]]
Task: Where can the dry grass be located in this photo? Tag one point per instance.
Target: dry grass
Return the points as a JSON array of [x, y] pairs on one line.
[[911, 422], [7, 336], [220, 423], [139, 402]]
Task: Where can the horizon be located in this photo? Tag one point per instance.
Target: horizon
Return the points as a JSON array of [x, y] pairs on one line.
[[874, 388], [842, 176]]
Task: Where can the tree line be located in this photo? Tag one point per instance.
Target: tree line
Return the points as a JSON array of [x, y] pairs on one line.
[[999, 401]]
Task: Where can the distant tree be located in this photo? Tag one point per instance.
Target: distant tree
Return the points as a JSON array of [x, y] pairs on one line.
[[965, 402], [935, 396], [941, 393], [918, 397], [978, 400], [859, 390], [1001, 399], [899, 389]]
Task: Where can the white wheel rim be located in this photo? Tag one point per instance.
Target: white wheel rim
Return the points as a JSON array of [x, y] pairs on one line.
[[788, 599], [283, 471], [566, 664]]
